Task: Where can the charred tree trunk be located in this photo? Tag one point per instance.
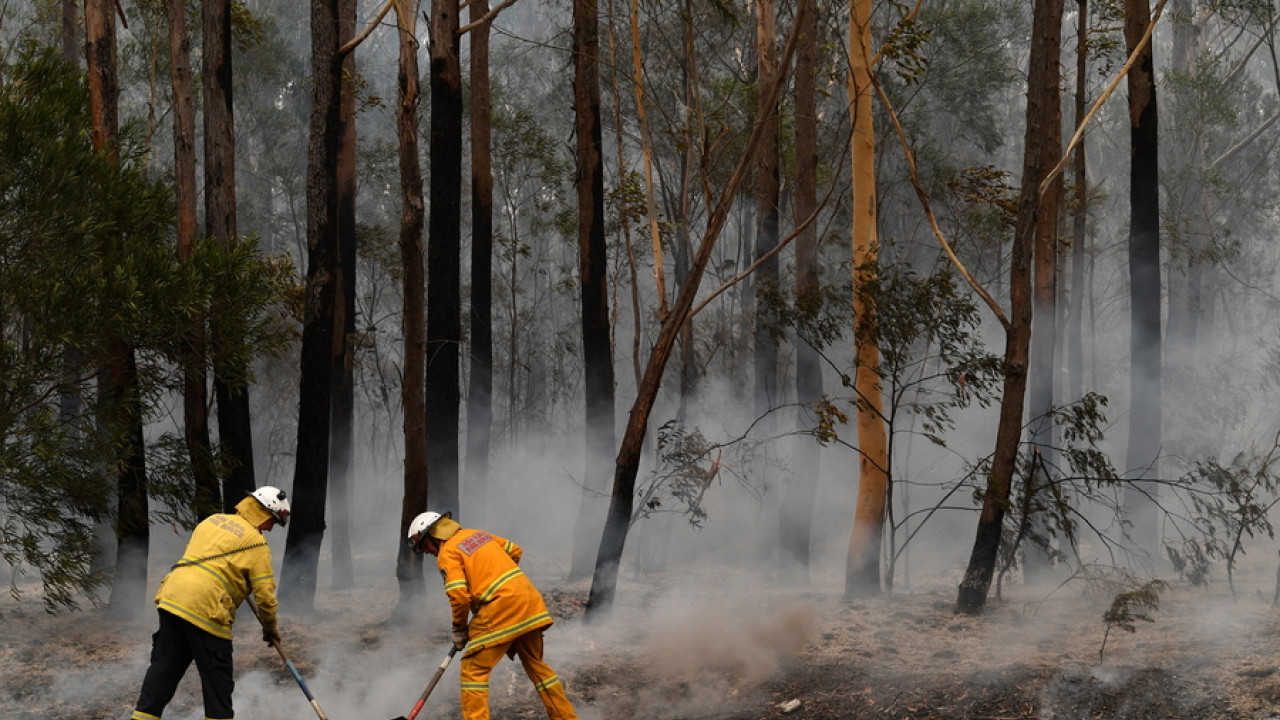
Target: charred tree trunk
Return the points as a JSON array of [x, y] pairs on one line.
[[412, 218], [118, 386], [311, 466], [195, 392], [444, 258], [480, 382], [604, 580], [230, 381], [597, 350], [1042, 81], [798, 500], [342, 453], [70, 32], [1144, 284], [1079, 217], [1042, 375]]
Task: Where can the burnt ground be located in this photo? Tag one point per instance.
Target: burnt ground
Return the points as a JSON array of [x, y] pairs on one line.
[[707, 651]]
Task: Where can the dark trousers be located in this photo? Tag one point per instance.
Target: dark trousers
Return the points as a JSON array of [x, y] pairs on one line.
[[173, 647]]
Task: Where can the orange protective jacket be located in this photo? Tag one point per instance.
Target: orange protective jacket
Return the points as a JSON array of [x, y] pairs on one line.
[[482, 577], [226, 559]]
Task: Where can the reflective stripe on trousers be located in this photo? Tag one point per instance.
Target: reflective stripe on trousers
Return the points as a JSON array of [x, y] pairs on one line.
[[475, 669]]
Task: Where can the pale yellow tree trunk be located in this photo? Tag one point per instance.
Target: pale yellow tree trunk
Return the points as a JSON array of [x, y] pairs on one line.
[[862, 571]]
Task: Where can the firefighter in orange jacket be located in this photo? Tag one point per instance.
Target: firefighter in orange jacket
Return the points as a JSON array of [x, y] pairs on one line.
[[483, 579], [226, 559]]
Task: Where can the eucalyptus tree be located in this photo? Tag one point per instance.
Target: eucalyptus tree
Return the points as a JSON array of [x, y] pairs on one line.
[[1145, 336], [1038, 158], [118, 384], [798, 501], [597, 341], [342, 452], [311, 465], [862, 567], [444, 257], [480, 355], [89, 275], [195, 393], [622, 499], [230, 382]]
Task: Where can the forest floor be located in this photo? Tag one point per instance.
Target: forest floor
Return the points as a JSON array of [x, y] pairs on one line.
[[709, 644]]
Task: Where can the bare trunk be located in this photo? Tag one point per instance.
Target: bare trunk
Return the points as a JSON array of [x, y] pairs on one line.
[[798, 502], [604, 580], [862, 571], [413, 389], [444, 258], [1042, 81], [230, 383], [480, 387], [195, 393], [342, 454], [1144, 285], [311, 466], [593, 264]]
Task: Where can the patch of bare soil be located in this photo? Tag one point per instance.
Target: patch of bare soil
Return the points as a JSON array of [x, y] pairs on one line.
[[703, 654]]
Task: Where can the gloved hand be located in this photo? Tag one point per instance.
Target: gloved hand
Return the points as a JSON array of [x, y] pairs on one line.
[[270, 632], [459, 638]]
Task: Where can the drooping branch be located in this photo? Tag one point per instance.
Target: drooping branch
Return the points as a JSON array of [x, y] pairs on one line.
[[368, 30], [928, 209], [1097, 104]]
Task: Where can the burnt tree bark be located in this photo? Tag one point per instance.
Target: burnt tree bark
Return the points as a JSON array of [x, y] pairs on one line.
[[444, 258], [342, 452], [1143, 456], [195, 392], [597, 350], [604, 580], [1042, 81], [480, 380], [230, 381], [118, 385], [413, 389], [311, 466]]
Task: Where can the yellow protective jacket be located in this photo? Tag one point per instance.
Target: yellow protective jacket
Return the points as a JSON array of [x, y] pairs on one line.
[[482, 577], [226, 558]]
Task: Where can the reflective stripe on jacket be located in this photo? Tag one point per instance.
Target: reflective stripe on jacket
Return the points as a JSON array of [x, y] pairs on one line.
[[482, 577], [226, 558]]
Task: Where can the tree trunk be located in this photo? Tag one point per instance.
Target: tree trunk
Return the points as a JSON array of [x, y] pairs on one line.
[[195, 393], [444, 258], [1042, 372], [1042, 81], [764, 282], [862, 571], [119, 384], [798, 500], [1144, 285], [597, 350], [413, 398], [70, 33], [1079, 216], [311, 464], [230, 383], [604, 580], [480, 381], [342, 453]]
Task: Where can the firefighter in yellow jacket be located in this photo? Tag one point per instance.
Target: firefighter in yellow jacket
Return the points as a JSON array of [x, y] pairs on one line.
[[483, 580], [226, 559]]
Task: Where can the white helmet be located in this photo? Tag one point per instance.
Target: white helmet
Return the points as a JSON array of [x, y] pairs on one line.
[[419, 527], [275, 501]]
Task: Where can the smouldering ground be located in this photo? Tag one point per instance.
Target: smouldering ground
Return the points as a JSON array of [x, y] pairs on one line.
[[706, 644]]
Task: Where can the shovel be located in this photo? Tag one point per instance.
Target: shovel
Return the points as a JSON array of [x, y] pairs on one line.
[[422, 699], [292, 669]]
